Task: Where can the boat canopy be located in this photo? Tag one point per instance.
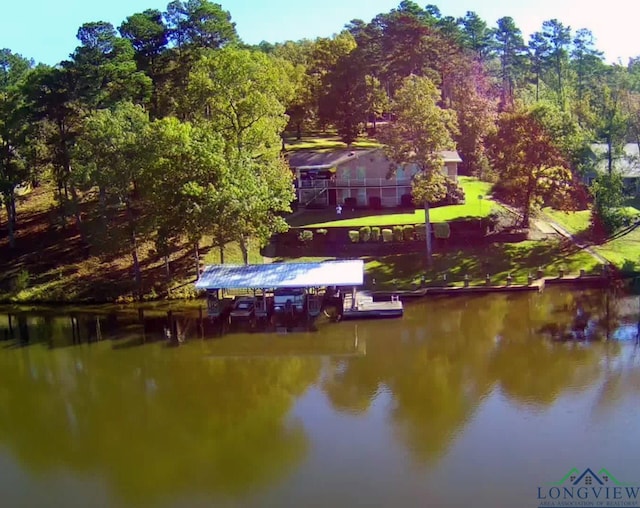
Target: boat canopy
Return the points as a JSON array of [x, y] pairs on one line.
[[283, 275]]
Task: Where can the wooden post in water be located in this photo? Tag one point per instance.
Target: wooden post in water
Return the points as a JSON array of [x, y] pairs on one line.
[[353, 297]]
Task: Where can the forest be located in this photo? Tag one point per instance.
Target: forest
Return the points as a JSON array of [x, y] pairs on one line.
[[173, 128]]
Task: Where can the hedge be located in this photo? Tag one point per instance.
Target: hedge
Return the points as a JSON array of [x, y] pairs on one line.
[[365, 233], [441, 230], [387, 235], [407, 233], [375, 234], [397, 233], [354, 236]]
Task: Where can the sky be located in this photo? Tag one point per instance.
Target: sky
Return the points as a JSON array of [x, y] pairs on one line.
[[45, 29]]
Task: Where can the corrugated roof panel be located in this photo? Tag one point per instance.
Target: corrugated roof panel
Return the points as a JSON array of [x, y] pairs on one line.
[[283, 275]]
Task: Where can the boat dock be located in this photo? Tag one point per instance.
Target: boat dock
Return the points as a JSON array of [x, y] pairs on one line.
[[365, 307], [288, 296]]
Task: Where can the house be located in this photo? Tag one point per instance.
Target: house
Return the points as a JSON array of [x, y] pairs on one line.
[[627, 164], [328, 178]]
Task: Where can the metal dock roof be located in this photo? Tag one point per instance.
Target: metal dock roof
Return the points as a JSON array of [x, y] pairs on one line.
[[283, 275]]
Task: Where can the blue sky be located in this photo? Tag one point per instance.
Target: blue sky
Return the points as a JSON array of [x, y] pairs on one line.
[[45, 30]]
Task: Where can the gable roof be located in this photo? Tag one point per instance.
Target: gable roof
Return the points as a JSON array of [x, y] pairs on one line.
[[628, 164], [308, 159]]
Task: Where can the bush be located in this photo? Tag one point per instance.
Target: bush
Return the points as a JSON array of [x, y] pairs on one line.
[[322, 232], [454, 196], [407, 233], [375, 202], [21, 281], [350, 203], [354, 236], [441, 230], [420, 231], [305, 236], [491, 221], [397, 233], [406, 201], [375, 234], [387, 235], [365, 233]]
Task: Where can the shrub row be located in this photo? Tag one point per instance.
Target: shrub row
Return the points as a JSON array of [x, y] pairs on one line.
[[406, 233]]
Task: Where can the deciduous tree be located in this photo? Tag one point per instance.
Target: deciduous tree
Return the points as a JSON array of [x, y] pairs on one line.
[[421, 130], [530, 167]]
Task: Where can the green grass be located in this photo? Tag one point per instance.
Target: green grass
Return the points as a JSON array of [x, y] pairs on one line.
[[498, 260], [327, 143], [473, 207], [623, 252], [573, 222], [403, 271]]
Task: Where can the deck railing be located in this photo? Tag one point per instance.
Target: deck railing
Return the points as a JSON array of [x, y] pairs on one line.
[[349, 183]]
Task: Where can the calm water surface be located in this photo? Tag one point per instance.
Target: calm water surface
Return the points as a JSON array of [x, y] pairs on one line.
[[463, 402]]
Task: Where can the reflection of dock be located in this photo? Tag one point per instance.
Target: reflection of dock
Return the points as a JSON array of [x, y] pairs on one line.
[[365, 307], [254, 346]]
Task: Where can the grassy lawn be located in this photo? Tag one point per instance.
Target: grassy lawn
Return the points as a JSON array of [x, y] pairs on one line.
[[573, 222], [473, 207], [622, 251], [327, 143], [401, 271]]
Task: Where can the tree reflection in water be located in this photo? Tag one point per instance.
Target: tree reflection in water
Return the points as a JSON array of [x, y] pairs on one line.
[[154, 421], [212, 416], [447, 355]]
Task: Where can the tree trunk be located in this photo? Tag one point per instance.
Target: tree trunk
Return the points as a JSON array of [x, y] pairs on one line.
[[427, 224], [221, 248], [609, 155], [245, 250], [166, 268], [134, 251], [298, 131], [76, 212], [197, 258], [11, 220]]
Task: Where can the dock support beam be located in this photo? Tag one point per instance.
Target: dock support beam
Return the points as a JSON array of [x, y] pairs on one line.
[[353, 297]]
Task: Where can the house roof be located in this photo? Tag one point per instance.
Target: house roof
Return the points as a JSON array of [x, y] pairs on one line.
[[307, 159], [283, 275], [628, 163]]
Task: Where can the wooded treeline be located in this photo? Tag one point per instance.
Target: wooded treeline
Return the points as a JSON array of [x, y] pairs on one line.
[[173, 125]]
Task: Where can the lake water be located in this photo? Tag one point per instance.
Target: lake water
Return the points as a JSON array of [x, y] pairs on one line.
[[463, 402]]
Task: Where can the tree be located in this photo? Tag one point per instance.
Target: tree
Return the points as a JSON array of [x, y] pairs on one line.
[[184, 181], [149, 37], [110, 156], [345, 101], [612, 123], [53, 101], [586, 60], [241, 95], [539, 48], [476, 35], [531, 169], [421, 130], [608, 197], [199, 24], [105, 70], [558, 39], [510, 48], [14, 126]]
